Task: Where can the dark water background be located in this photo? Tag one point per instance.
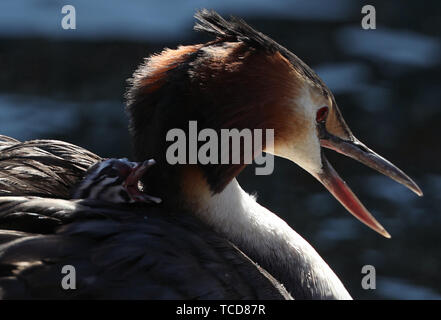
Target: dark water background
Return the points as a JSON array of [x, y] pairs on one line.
[[69, 85]]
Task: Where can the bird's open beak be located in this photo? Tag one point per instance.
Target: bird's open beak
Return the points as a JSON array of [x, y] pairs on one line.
[[339, 189], [132, 183], [137, 172]]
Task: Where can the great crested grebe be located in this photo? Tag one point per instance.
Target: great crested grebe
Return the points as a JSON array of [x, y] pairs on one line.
[[208, 238]]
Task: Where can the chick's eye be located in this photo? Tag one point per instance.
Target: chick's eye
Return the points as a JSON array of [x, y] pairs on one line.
[[321, 114]]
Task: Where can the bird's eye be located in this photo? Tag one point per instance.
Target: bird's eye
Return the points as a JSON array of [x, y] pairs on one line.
[[321, 114]]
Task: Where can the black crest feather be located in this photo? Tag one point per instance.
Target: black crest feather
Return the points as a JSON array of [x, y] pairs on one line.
[[234, 30]]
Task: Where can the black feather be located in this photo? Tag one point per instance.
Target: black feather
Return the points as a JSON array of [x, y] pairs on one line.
[[46, 168], [123, 252], [234, 30]]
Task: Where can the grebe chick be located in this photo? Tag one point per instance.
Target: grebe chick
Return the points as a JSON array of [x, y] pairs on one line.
[[115, 180]]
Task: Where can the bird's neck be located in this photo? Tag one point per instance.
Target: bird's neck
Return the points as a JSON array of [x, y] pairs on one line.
[[270, 242]]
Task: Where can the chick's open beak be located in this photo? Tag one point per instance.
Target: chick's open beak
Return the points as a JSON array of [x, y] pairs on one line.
[[132, 183], [137, 172], [339, 189]]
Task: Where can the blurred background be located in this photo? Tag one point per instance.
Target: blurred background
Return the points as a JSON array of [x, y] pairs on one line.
[[69, 85]]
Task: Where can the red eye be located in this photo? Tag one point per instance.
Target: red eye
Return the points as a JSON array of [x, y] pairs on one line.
[[321, 114]]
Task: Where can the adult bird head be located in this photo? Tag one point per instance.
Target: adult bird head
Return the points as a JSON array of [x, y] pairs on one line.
[[244, 79], [325, 127]]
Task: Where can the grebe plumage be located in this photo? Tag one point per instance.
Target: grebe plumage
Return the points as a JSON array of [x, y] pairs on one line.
[[208, 238]]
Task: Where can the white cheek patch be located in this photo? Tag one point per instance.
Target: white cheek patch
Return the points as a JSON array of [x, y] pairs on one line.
[[305, 152]]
